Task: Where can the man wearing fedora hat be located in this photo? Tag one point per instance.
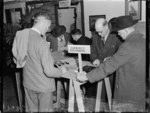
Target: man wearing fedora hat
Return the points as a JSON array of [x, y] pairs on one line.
[[129, 63], [59, 38]]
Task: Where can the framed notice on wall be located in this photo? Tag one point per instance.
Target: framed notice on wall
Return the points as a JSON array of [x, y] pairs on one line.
[[133, 8], [92, 20], [13, 16]]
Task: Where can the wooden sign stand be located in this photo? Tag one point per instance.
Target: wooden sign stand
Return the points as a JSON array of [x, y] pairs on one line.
[[75, 85], [80, 62], [79, 49]]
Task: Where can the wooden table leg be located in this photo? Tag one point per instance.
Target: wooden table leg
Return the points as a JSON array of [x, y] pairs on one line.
[[71, 97], [57, 104], [17, 74], [98, 97], [108, 89], [79, 98]]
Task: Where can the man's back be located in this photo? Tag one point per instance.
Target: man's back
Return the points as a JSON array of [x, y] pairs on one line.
[[34, 78], [132, 73], [84, 41]]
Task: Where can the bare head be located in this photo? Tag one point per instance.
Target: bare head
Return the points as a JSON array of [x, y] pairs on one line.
[[76, 34], [42, 22], [101, 27]]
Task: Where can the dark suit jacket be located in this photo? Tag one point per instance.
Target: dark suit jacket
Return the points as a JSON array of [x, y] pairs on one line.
[[84, 41], [81, 41], [98, 51], [54, 41], [129, 61]]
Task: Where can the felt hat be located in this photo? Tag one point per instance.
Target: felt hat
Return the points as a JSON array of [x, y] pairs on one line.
[[123, 22], [112, 22], [58, 30]]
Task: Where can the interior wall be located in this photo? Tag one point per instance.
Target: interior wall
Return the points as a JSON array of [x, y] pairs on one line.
[[110, 8], [66, 17], [23, 6]]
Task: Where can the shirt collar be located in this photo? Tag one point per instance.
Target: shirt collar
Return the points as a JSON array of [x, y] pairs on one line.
[[61, 39], [36, 30]]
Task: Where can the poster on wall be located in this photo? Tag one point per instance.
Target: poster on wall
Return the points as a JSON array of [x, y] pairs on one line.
[[64, 3], [13, 16], [133, 8], [92, 20]]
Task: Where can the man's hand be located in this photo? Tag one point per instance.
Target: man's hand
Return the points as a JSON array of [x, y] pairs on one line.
[[63, 69], [64, 48], [96, 63], [81, 76]]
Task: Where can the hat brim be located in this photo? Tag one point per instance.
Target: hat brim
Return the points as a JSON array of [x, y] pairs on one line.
[[117, 28], [56, 34]]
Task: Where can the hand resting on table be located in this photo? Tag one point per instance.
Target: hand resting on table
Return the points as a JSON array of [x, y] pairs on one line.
[[63, 69], [81, 76]]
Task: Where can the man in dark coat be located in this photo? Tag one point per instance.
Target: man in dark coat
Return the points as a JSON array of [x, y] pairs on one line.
[[58, 38], [105, 44], [78, 39], [129, 61]]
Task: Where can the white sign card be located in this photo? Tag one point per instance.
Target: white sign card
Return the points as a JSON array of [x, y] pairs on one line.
[[85, 49], [64, 3], [79, 49]]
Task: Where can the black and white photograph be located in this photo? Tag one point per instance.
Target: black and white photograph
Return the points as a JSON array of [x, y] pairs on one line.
[[75, 56]]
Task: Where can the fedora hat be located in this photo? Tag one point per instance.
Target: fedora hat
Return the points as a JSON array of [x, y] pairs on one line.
[[112, 23], [123, 22], [58, 30]]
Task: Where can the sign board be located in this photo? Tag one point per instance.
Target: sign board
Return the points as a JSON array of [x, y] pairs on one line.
[[64, 3], [79, 49]]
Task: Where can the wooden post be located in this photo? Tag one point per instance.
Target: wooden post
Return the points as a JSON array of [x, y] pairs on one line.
[[71, 97], [108, 89], [80, 62], [58, 94], [98, 97], [79, 97], [17, 74]]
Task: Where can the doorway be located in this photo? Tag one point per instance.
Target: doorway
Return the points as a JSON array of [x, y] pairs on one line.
[[66, 17]]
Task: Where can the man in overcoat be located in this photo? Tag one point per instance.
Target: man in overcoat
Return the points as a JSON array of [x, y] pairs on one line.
[[58, 38], [129, 62]]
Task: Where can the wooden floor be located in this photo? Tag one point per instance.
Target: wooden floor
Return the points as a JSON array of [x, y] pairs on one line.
[[10, 103]]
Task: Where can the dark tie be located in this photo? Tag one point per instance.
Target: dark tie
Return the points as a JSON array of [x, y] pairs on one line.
[[103, 41], [61, 39]]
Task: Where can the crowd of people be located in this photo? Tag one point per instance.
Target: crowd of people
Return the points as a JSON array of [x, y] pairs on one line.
[[117, 52]]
